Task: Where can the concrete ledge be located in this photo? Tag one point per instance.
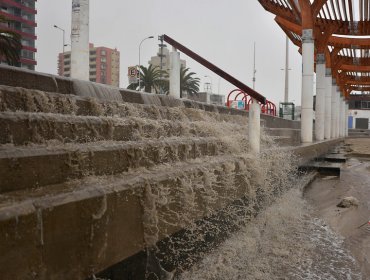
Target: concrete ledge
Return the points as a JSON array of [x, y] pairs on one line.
[[26, 168], [25, 128], [98, 222], [308, 152], [16, 77]]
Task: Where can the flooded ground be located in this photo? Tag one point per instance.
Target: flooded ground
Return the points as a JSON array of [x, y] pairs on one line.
[[351, 223], [287, 241], [303, 236]]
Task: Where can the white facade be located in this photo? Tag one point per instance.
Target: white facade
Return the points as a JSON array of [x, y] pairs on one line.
[[80, 40], [358, 114]]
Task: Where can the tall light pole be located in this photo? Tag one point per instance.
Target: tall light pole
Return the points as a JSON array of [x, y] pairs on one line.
[[64, 32], [286, 69], [150, 37]]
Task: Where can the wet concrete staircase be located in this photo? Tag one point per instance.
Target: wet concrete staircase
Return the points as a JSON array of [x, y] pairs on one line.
[[90, 175]]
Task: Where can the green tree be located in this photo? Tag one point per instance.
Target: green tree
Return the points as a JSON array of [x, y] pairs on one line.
[[10, 44], [150, 79], [188, 83]]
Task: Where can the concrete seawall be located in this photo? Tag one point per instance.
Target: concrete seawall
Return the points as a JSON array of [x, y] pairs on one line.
[[91, 175]]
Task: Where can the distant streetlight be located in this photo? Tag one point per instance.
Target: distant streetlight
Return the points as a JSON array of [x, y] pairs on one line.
[[150, 37], [210, 83], [64, 44]]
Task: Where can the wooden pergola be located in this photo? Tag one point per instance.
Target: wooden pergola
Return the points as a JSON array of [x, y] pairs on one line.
[[339, 27]]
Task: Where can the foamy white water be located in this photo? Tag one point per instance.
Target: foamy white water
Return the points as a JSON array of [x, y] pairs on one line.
[[284, 242]]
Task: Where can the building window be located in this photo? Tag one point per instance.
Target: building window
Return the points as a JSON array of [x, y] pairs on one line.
[[103, 59], [103, 52], [365, 104]]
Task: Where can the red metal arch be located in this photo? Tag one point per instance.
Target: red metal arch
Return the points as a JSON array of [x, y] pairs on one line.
[[269, 108]]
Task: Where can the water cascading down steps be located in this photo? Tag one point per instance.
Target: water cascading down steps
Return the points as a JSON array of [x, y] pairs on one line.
[[87, 182]]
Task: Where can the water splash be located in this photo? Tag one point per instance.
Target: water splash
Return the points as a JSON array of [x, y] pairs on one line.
[[284, 242]]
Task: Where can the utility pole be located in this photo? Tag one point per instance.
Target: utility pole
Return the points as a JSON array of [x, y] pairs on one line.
[[161, 45], [254, 66], [286, 92]]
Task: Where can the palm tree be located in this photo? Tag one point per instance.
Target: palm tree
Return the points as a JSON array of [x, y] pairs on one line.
[[188, 83], [10, 43], [150, 79]]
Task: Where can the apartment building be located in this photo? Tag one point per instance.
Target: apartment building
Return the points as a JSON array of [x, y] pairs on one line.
[[22, 15], [104, 65]]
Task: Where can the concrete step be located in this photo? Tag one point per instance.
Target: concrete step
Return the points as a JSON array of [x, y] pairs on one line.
[[100, 221], [15, 99], [323, 167], [24, 128], [29, 167], [335, 158]]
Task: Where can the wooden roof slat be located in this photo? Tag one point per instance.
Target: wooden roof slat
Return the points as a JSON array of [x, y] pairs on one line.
[[344, 8], [317, 6], [350, 5], [349, 57], [327, 12]]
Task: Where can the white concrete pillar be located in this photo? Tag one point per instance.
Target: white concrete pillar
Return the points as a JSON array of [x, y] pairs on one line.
[[175, 67], [333, 109], [308, 46], [341, 117], [254, 127], [346, 120], [320, 98], [338, 113], [344, 117], [328, 94], [80, 53]]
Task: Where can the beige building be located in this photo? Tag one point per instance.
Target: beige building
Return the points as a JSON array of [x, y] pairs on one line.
[[156, 60], [104, 65]]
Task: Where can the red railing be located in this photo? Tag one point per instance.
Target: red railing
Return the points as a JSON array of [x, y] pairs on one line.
[[239, 96]]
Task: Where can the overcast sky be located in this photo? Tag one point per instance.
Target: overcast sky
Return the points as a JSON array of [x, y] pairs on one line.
[[222, 31]]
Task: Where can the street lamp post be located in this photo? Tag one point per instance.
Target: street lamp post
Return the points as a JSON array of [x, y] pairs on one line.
[[150, 37], [64, 44]]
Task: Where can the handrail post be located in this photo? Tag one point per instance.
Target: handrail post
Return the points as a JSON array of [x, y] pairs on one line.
[[254, 127]]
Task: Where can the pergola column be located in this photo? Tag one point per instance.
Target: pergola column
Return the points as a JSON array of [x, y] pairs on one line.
[[254, 126], [320, 98], [337, 112], [308, 46], [346, 120], [341, 117], [344, 117], [328, 97], [334, 109], [175, 74]]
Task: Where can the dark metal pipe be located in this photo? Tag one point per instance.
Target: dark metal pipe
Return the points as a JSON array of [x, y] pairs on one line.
[[215, 69]]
